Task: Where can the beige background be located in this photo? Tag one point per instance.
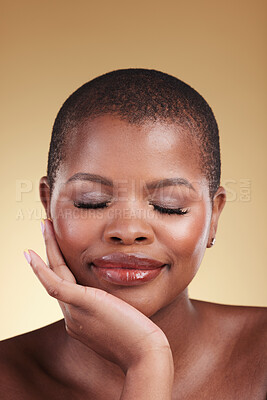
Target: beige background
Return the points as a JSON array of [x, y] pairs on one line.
[[50, 48]]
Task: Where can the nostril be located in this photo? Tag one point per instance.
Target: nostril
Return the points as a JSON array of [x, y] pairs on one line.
[[140, 238], [116, 238]]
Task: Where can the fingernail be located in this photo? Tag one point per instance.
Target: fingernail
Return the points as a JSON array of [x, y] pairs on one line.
[[42, 225], [27, 256]]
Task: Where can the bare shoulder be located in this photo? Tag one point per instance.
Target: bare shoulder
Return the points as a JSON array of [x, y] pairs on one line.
[[252, 316], [21, 359], [243, 329], [251, 329]]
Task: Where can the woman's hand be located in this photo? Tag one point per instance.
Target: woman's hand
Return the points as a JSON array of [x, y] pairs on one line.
[[108, 325]]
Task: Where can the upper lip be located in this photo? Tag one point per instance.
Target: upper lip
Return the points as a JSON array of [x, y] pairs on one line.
[[127, 260]]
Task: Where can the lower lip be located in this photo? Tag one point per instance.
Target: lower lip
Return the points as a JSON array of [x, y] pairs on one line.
[[127, 276]]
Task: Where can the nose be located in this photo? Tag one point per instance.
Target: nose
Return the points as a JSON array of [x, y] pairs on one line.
[[128, 232]]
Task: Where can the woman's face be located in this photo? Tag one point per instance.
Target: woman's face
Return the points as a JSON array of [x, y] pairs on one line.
[[132, 157]]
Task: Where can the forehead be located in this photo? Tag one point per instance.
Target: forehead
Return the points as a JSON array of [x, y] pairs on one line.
[[110, 146]]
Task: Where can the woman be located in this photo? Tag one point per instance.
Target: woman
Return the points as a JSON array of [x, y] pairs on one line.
[[133, 198]]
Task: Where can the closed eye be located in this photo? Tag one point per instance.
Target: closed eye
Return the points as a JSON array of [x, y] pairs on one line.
[[163, 210], [160, 209], [91, 205]]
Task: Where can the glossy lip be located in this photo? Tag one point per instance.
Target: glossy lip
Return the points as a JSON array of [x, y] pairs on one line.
[[127, 269], [127, 276], [136, 261]]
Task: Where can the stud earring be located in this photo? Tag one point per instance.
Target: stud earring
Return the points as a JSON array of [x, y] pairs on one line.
[[213, 240]]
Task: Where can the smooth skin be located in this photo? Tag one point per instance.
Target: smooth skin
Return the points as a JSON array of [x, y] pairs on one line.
[[138, 342]]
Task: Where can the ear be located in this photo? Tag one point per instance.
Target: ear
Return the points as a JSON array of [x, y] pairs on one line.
[[219, 200], [44, 190]]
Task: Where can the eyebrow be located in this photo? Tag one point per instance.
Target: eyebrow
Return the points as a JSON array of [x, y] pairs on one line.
[[169, 182], [82, 176]]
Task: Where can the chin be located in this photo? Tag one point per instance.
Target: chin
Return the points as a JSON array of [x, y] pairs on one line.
[[147, 304]]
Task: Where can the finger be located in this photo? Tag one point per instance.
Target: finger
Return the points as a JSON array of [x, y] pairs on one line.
[[60, 288], [54, 255]]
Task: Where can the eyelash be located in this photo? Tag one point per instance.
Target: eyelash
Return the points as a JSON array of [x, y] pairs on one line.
[[177, 211], [162, 210]]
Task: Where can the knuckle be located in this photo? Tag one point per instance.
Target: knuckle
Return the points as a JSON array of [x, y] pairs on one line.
[[61, 265], [46, 240], [99, 295], [53, 291], [158, 340]]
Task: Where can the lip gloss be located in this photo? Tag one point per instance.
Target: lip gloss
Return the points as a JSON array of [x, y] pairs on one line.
[[126, 276]]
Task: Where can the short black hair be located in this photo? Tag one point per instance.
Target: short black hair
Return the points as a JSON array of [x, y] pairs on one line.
[[139, 95]]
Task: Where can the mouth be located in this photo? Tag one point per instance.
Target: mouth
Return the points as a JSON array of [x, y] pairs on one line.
[[127, 276], [127, 269]]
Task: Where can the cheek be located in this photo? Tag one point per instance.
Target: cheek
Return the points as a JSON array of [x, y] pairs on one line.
[[185, 236], [77, 233]]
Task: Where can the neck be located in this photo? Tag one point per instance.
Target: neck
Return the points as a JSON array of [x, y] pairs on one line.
[[179, 321]]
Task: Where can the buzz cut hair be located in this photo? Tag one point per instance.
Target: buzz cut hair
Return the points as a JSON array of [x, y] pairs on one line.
[[137, 96]]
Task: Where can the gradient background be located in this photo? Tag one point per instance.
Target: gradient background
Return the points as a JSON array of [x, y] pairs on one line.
[[50, 48]]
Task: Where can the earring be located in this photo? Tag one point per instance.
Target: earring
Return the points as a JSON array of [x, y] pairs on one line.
[[213, 240]]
